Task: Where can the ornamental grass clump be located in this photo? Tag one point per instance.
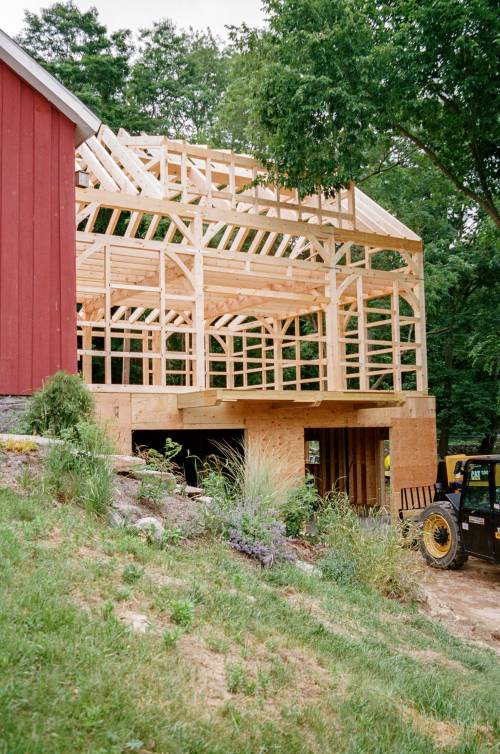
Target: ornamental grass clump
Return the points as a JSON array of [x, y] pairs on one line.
[[246, 493]]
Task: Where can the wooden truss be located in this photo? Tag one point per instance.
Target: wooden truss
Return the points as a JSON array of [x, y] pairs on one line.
[[193, 273]]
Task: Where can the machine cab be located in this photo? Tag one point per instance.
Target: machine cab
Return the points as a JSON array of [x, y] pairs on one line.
[[480, 507]]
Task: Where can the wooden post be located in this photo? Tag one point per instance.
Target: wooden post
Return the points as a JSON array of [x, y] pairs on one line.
[[333, 366], [199, 305], [363, 369], [396, 337]]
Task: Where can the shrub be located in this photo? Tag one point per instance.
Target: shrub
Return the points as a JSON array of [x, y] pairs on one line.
[[300, 504], [77, 468], [61, 403]]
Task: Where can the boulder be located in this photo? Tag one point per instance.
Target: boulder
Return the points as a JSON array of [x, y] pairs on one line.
[[128, 511], [152, 526], [188, 490], [124, 464], [115, 518], [205, 499]]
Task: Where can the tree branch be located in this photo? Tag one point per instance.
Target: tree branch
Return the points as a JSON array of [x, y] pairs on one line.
[[487, 204]]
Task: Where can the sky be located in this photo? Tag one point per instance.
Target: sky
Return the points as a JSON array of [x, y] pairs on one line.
[[133, 14]]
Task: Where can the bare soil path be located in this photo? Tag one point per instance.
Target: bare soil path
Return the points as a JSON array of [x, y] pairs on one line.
[[467, 601]]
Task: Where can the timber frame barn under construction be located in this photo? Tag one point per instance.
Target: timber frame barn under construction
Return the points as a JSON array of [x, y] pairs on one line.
[[209, 300]]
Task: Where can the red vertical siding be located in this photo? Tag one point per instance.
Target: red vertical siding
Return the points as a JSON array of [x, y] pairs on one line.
[[37, 238]]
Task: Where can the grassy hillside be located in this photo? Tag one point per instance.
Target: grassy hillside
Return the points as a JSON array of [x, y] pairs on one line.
[[109, 644]]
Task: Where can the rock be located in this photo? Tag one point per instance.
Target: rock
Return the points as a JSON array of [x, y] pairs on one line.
[[128, 511], [123, 464], [152, 526], [203, 499], [42, 442], [167, 479], [115, 518], [135, 621], [188, 490], [308, 568]]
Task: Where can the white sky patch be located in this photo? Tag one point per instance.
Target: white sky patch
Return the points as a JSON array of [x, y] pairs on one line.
[[134, 14]]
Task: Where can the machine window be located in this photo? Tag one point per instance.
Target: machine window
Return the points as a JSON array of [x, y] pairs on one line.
[[477, 489]]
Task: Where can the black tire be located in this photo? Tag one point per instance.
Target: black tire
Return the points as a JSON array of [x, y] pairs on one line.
[[442, 545]]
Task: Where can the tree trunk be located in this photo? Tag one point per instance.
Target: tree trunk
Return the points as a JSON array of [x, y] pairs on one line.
[[444, 436]]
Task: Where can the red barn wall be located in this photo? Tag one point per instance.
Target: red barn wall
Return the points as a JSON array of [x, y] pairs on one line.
[[37, 238]]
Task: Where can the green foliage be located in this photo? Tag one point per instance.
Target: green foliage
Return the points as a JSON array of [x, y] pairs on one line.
[[177, 81], [152, 490], [299, 506], [78, 50], [77, 468], [182, 612], [132, 573], [329, 78], [171, 636], [168, 81], [162, 461], [238, 681], [364, 551], [61, 403]]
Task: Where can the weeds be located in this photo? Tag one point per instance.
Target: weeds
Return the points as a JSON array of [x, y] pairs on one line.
[[78, 470], [367, 551], [171, 636], [182, 612], [132, 573]]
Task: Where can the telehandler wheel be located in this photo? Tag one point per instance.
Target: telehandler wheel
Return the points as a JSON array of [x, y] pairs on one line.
[[441, 544]]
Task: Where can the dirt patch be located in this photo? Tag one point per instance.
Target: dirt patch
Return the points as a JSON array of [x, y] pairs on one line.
[[13, 466], [210, 681], [300, 601], [466, 601], [443, 733], [429, 656]]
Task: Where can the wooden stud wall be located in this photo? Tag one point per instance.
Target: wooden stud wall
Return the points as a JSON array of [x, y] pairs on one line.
[[192, 275]]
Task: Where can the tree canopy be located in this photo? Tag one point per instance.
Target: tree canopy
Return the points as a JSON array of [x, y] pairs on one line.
[[400, 95], [335, 76]]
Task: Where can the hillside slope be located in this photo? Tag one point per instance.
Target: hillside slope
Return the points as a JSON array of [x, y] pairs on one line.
[[110, 644]]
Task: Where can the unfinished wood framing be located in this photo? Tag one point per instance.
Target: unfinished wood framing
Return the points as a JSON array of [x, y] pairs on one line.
[[192, 275]]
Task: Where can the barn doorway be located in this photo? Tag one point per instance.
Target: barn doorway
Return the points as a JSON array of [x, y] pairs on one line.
[[197, 445], [349, 460]]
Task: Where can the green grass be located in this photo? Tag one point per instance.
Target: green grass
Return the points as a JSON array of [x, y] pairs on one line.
[[233, 659]]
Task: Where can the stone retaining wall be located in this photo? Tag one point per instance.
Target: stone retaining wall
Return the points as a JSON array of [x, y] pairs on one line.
[[11, 410]]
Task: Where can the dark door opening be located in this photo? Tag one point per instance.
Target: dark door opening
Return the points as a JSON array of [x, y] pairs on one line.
[[348, 460], [197, 445]]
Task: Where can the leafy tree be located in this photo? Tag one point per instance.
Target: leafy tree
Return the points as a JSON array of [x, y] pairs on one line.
[[76, 48], [334, 75], [462, 278], [177, 81]]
